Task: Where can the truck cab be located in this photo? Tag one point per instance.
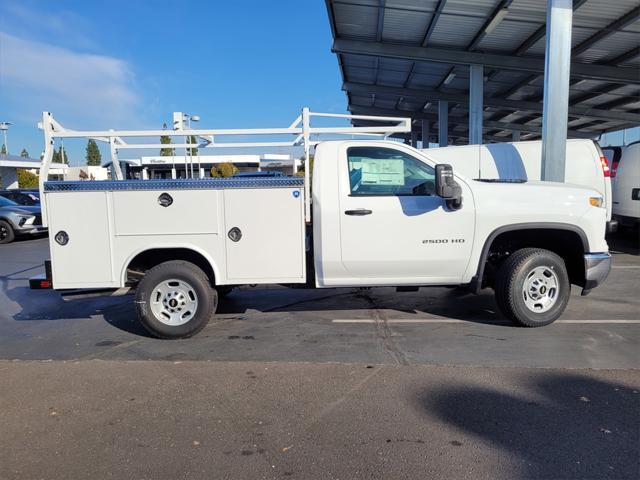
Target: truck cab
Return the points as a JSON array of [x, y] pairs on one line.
[[377, 219]]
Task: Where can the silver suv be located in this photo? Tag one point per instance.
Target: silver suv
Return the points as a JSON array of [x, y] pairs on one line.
[[18, 220]]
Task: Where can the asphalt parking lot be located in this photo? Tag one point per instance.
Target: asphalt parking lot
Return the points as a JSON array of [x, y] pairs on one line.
[[320, 384]]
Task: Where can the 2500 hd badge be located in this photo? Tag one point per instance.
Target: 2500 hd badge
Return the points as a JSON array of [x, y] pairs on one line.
[[443, 240]]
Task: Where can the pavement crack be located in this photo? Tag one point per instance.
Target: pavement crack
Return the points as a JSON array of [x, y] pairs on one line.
[[339, 401], [383, 332]]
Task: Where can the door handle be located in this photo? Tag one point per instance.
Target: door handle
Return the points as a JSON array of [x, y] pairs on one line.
[[359, 212]]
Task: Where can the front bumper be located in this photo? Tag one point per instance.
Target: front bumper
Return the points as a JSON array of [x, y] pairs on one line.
[[596, 270], [30, 230]]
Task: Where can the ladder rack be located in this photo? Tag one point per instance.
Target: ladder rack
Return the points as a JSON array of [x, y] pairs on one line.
[[301, 130]]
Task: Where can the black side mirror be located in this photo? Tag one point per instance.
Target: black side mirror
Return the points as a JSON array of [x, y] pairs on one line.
[[447, 187]]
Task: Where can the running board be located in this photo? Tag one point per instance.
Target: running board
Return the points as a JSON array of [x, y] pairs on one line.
[[82, 294]]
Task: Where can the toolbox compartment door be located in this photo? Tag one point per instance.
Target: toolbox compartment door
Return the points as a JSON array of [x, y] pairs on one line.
[[85, 261], [187, 212], [267, 242]]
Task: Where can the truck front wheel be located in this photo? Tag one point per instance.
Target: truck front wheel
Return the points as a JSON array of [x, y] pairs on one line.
[[532, 287], [175, 300]]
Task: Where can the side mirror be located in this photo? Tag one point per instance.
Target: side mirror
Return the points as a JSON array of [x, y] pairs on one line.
[[447, 187]]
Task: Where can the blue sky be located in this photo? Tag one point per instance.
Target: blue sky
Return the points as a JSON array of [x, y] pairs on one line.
[[117, 64], [130, 64]]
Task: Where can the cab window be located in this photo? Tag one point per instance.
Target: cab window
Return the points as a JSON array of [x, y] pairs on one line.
[[385, 171]]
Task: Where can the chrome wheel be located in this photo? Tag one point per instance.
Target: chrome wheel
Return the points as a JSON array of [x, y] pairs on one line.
[[174, 302], [540, 289], [4, 232]]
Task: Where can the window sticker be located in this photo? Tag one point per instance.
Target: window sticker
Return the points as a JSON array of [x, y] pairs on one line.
[[382, 172]]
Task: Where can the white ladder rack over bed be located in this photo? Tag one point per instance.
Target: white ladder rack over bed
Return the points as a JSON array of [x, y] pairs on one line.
[[301, 129]]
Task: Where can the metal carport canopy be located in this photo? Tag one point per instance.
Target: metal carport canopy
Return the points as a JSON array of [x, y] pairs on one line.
[[404, 56]]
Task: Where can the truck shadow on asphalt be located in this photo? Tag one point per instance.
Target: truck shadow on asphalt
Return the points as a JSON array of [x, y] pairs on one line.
[[555, 425], [46, 305], [450, 303], [120, 312]]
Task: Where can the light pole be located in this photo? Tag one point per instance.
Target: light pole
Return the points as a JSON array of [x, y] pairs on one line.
[[4, 126], [196, 118]]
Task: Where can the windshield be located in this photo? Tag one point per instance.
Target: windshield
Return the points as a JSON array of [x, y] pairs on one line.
[[22, 199], [5, 202]]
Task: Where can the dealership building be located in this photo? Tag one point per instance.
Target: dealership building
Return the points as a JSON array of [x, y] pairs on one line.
[[181, 166], [9, 165]]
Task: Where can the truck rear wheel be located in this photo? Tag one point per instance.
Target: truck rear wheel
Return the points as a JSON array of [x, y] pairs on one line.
[[175, 300], [532, 287]]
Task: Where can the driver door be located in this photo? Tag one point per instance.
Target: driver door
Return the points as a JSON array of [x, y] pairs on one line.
[[394, 230]]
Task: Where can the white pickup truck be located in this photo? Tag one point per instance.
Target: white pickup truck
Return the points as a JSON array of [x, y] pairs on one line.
[[381, 214]]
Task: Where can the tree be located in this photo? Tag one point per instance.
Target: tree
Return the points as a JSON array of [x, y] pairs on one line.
[[166, 140], [24, 153], [26, 179], [94, 157], [192, 140], [62, 155], [4, 150], [300, 171], [224, 170]]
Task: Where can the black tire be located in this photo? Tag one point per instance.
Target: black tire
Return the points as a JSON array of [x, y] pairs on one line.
[[185, 274], [510, 281], [7, 235]]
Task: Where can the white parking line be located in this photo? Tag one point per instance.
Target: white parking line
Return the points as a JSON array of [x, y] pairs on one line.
[[451, 320], [597, 321], [626, 266], [408, 320]]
